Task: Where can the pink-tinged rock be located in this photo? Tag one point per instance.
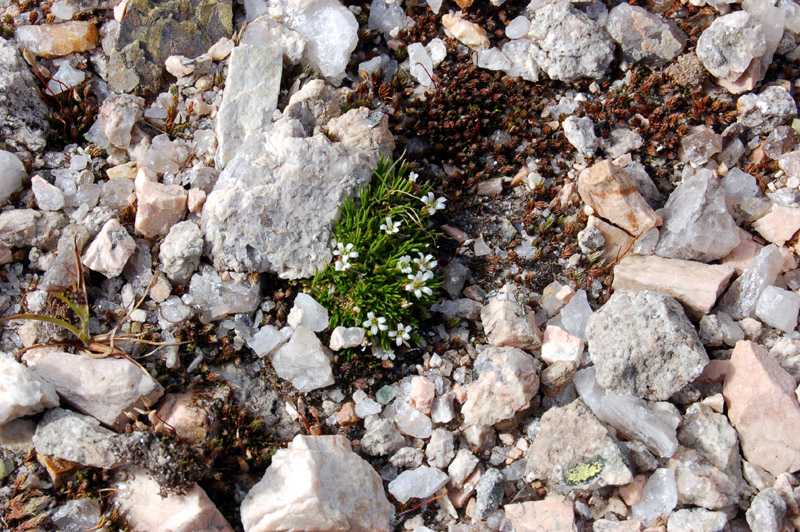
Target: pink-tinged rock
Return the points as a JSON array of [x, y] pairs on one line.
[[779, 224], [140, 502], [159, 208], [606, 525], [700, 483], [789, 259], [551, 514], [191, 415], [318, 483], [632, 493], [56, 40], [694, 284], [742, 254], [110, 250], [104, 388], [554, 296], [460, 496], [612, 193], [423, 392], [763, 409], [506, 383], [561, 346], [617, 242], [467, 32], [506, 322], [195, 200], [5, 254]]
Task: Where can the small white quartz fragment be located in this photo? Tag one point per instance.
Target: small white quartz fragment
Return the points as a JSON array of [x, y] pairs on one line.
[[418, 483], [421, 65], [308, 313], [304, 361]]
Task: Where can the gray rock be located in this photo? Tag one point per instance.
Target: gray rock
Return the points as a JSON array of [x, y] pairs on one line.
[[767, 511], [454, 276], [767, 110], [180, 252], [489, 492], [215, 298], [711, 435], [506, 382], [573, 448], [273, 205], [644, 35], [700, 483], [642, 343], [407, 458], [250, 97], [304, 361], [24, 392], [77, 515], [696, 519], [69, 436], [313, 105], [580, 133], [23, 113], [152, 31], [440, 449], [620, 141], [104, 388], [382, 438], [567, 44], [697, 225]]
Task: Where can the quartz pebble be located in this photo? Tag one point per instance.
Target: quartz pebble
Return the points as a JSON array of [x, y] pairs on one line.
[[346, 337], [580, 133], [493, 59], [560, 346], [159, 207], [117, 117], [659, 497], [763, 112], [575, 315], [56, 40], [506, 322], [742, 297], [412, 422], [739, 183], [12, 172], [466, 32], [779, 224], [461, 467], [48, 197], [418, 483], [700, 146], [267, 339], [303, 361], [644, 35], [554, 513], [307, 312], [778, 308], [518, 27], [24, 392]]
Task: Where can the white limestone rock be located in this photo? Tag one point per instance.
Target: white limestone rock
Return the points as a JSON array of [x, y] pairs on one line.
[[507, 381], [110, 250], [264, 31], [117, 116], [567, 44], [346, 337], [250, 97], [318, 483], [66, 435], [268, 338], [580, 133], [742, 297], [48, 197], [12, 172], [642, 343], [696, 223], [180, 252], [779, 308], [22, 392], [364, 129], [330, 28], [104, 388], [304, 361], [140, 501], [273, 205]]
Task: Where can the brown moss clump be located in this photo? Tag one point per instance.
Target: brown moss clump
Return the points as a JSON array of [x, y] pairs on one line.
[[687, 71]]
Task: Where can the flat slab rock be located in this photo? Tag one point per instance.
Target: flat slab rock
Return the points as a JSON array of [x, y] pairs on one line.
[[274, 204], [104, 388], [574, 449], [763, 408], [642, 343], [318, 483]]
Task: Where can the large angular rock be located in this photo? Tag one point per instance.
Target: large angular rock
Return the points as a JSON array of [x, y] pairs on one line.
[[159, 207], [22, 392], [779, 224], [644, 35], [65, 435], [731, 48], [763, 409], [273, 205], [330, 29], [697, 225], [304, 361], [250, 97], [153, 30], [23, 113], [711, 435], [507, 381], [612, 193], [642, 343], [567, 44], [142, 504], [574, 449], [317, 483], [700, 483], [104, 388], [694, 284], [506, 322]]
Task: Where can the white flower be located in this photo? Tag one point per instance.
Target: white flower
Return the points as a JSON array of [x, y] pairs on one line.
[[417, 284], [404, 264], [432, 204], [375, 323], [390, 227], [412, 176], [342, 264], [400, 333], [426, 262], [383, 354], [345, 250]]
